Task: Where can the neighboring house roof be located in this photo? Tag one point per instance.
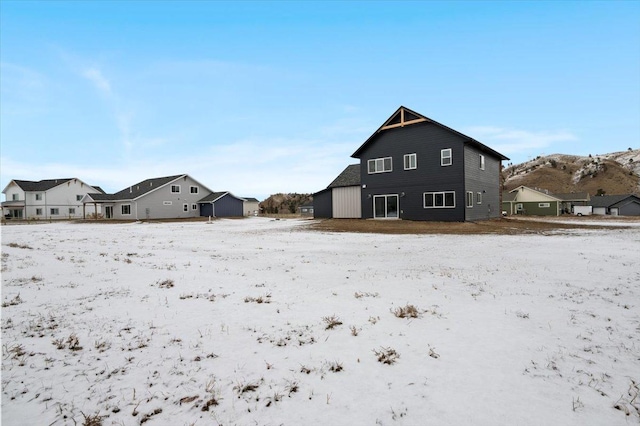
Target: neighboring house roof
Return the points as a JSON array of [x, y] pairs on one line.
[[611, 200], [141, 188], [349, 177], [43, 185], [509, 196], [138, 190], [406, 117], [250, 199], [573, 196], [544, 194], [215, 196]]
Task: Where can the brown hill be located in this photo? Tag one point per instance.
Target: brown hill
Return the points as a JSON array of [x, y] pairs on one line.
[[285, 203], [615, 173]]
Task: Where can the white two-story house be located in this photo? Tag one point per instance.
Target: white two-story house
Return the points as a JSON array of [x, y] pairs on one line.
[[48, 199]]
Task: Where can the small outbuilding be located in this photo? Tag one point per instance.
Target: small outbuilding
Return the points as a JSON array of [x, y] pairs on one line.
[[221, 204], [251, 206]]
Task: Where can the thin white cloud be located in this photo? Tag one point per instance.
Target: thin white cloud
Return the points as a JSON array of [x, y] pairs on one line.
[[255, 168], [95, 76], [516, 141]]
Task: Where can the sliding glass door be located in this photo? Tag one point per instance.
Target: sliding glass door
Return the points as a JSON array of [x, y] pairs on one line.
[[385, 206]]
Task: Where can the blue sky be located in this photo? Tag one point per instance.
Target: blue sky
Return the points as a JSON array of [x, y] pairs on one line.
[[264, 97]]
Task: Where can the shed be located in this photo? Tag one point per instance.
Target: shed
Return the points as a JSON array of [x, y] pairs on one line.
[[221, 204], [251, 206]]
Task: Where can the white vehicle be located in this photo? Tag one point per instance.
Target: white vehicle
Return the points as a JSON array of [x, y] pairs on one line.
[[582, 210]]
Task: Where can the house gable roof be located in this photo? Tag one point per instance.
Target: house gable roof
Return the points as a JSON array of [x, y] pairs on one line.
[[537, 192], [44, 185], [573, 196], [350, 176], [406, 117], [144, 187], [610, 200], [215, 196], [250, 199]]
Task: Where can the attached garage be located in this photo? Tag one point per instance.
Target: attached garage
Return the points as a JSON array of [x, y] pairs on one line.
[[341, 199]]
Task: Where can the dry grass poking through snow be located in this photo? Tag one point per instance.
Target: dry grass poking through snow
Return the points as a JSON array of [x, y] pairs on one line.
[[260, 321]]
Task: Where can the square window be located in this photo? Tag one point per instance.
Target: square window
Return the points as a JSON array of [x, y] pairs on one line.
[[72, 210], [410, 161], [38, 197], [54, 212], [38, 212], [446, 157], [193, 189], [194, 207], [125, 209], [175, 189], [79, 197]]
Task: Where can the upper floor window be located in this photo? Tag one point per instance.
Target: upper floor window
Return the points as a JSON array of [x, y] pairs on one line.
[[446, 157], [38, 197], [175, 189], [15, 197], [193, 189], [481, 162], [379, 165], [79, 197], [410, 161]]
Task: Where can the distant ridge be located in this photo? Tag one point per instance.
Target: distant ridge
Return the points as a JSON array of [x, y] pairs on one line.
[[614, 173]]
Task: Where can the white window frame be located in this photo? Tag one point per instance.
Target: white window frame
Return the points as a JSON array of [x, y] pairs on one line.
[[38, 212], [544, 205], [128, 208], [175, 189], [469, 199], [15, 197], [72, 210], [444, 199], [446, 157], [481, 162], [79, 197], [194, 207], [185, 207], [410, 158], [39, 197], [194, 190], [54, 211], [379, 166], [479, 197]]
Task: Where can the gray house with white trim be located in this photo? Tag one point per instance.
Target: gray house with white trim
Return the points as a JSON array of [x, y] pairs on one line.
[[169, 197], [616, 205]]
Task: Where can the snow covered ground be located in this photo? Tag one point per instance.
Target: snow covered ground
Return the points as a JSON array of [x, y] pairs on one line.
[[265, 322]]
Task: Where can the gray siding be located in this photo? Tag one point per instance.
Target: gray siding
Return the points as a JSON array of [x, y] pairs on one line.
[[486, 181], [631, 208], [155, 204], [226, 206], [322, 204], [426, 140]]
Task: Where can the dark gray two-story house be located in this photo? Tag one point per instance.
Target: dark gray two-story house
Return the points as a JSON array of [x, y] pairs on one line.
[[415, 168]]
